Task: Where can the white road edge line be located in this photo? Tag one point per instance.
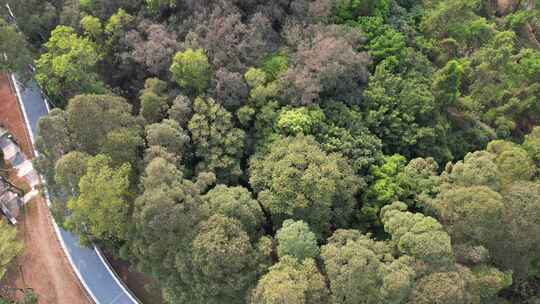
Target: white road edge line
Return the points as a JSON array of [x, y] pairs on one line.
[[46, 194], [115, 276], [21, 104]]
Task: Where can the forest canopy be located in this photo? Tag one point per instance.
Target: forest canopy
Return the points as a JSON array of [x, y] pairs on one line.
[[296, 151]]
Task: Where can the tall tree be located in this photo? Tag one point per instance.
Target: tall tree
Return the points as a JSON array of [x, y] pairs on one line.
[[91, 117], [236, 203], [101, 210], [218, 144], [358, 274], [297, 180], [153, 100], [291, 281], [169, 135], [68, 67], [224, 262], [14, 49], [169, 210], [191, 70], [296, 240]]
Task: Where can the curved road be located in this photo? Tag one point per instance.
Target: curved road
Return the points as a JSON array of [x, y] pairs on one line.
[[93, 271]]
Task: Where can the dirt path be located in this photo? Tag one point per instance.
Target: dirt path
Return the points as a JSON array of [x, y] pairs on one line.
[[11, 116], [43, 265]]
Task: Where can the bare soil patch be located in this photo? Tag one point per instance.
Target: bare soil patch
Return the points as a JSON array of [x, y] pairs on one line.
[[43, 266], [12, 118]]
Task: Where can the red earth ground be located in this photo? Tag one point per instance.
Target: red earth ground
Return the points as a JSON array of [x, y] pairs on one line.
[[42, 266]]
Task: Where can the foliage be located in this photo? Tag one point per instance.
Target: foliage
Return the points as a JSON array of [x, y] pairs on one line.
[[364, 151], [91, 117], [191, 70], [153, 104], [358, 273], [236, 203], [168, 209], [218, 143], [385, 188], [416, 235], [92, 26], [291, 281], [68, 67], [14, 49], [299, 120], [10, 247], [224, 261], [100, 212], [297, 180], [296, 240], [275, 65], [169, 135]]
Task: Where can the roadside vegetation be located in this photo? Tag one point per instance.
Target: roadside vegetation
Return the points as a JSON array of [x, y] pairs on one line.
[[296, 151]]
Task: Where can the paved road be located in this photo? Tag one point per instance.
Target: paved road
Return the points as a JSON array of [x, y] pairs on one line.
[[97, 277]]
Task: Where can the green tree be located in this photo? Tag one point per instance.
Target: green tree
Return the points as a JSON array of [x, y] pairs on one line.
[[470, 214], [14, 50], [299, 120], [291, 281], [69, 170], [123, 145], [389, 43], [236, 203], [10, 247], [296, 240], [218, 144], [400, 109], [35, 18], [348, 10], [297, 180], [456, 20], [92, 26], [68, 67], [345, 132], [155, 5], [447, 83], [153, 102], [191, 70], [117, 22], [513, 161], [168, 210], [169, 135], [224, 262], [532, 145], [446, 288], [490, 282], [275, 65], [385, 188], [91, 117], [418, 236], [476, 169], [100, 212], [517, 248], [357, 271], [52, 142]]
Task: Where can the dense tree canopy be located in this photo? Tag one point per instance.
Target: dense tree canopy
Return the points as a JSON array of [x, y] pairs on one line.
[[295, 151], [69, 65], [14, 49], [296, 179]]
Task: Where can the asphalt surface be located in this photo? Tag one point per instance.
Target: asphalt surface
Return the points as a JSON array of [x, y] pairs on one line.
[[99, 280]]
